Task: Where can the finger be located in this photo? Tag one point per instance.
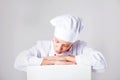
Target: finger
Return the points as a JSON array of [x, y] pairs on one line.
[[69, 63], [49, 58], [64, 63], [57, 58], [59, 63]]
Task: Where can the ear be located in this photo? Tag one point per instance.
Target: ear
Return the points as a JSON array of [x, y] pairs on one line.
[[53, 38]]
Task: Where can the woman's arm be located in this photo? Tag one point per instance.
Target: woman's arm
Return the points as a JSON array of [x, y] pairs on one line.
[[59, 60], [27, 58], [93, 58]]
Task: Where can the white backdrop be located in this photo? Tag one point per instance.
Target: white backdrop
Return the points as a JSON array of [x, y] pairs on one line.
[[23, 22]]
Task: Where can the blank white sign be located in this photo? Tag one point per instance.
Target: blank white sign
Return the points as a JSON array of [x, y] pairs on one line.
[[59, 72]]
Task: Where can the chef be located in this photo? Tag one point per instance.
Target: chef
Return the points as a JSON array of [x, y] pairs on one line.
[[64, 49]]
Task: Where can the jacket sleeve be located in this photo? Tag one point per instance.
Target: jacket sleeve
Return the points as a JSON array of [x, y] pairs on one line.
[[28, 58], [92, 58]]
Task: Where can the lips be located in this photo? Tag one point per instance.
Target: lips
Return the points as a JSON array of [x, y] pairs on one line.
[[58, 52]]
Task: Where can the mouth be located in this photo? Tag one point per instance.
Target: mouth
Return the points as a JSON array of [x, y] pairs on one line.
[[58, 52]]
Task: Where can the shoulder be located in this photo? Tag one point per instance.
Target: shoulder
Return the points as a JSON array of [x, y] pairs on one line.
[[43, 44], [80, 43], [84, 47]]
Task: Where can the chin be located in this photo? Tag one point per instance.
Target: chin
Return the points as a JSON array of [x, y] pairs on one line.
[[57, 52]]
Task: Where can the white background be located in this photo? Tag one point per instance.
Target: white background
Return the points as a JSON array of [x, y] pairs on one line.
[[23, 22]]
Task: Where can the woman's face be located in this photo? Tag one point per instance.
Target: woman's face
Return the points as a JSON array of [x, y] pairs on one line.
[[61, 46]]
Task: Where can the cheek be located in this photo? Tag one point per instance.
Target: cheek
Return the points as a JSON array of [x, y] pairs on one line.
[[55, 46], [67, 48], [64, 48]]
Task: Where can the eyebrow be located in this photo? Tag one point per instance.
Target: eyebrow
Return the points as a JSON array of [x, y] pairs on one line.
[[66, 43]]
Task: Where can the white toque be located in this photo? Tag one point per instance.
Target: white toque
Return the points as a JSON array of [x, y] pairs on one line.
[[67, 27]]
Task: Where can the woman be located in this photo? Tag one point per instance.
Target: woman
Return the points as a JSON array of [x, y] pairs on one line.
[[63, 49]]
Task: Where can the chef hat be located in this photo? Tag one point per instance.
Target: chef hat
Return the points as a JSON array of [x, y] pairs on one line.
[[67, 27]]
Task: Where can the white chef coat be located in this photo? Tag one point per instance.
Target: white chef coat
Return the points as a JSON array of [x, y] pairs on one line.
[[83, 55]]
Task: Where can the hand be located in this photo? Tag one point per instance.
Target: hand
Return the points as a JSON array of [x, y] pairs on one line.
[[59, 60]]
